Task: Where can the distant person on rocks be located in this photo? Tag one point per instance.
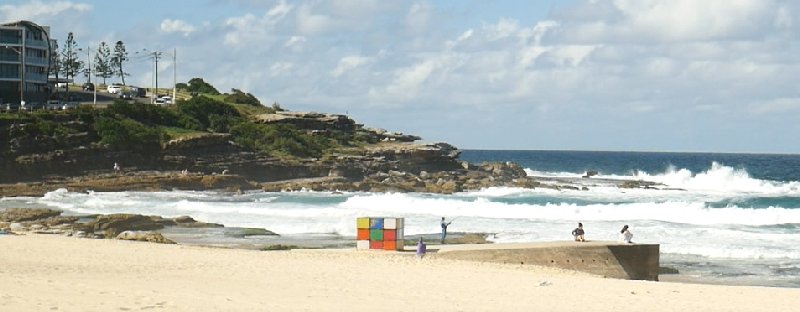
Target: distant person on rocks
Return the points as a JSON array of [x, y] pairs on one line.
[[444, 229], [625, 235], [578, 233], [117, 167], [421, 248]]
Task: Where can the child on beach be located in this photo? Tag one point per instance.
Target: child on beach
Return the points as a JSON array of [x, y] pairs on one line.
[[421, 248], [625, 235], [578, 233]]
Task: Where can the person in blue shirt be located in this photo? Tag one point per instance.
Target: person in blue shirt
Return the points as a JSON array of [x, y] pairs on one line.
[[444, 229]]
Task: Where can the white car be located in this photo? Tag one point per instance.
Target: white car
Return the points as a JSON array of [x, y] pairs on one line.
[[114, 88]]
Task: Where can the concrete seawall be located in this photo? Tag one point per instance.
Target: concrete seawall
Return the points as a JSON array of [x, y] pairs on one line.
[[609, 259]]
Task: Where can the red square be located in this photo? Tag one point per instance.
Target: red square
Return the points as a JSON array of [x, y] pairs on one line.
[[389, 235], [375, 245]]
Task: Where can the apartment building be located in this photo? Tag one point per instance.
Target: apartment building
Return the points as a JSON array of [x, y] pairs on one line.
[[25, 50]]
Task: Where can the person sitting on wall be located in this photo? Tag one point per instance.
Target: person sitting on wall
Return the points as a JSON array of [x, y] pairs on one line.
[[625, 235], [578, 233]]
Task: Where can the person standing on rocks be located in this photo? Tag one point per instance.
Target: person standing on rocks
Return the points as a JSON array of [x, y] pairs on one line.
[[444, 229]]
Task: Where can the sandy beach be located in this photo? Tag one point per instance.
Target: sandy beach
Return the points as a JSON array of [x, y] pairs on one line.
[[54, 273]]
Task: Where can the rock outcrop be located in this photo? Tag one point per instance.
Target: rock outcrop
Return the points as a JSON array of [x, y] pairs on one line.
[[144, 236], [120, 226]]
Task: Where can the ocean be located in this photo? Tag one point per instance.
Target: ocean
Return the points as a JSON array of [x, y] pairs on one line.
[[720, 218]]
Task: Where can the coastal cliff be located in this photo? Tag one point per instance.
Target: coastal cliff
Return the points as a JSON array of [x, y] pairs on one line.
[[44, 151]]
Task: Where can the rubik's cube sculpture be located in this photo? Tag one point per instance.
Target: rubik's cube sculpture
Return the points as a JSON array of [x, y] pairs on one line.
[[379, 233]]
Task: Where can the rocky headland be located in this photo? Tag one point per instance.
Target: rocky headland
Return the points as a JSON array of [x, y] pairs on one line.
[[34, 164]]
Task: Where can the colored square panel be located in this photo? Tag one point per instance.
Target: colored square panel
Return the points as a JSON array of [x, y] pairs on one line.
[[362, 244], [400, 244], [399, 223], [390, 245], [363, 234], [376, 235], [399, 234], [376, 223], [362, 223], [389, 235], [375, 245], [389, 223]]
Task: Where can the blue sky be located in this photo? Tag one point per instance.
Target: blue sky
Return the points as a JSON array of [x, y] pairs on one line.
[[641, 75]]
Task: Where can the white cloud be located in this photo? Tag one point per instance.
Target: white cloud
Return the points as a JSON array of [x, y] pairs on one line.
[[279, 11], [311, 23], [348, 63], [418, 18], [251, 29], [280, 68], [37, 10], [656, 65], [295, 43], [178, 26], [779, 105]]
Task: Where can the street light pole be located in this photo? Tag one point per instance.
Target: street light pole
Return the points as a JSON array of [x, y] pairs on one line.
[[22, 70]]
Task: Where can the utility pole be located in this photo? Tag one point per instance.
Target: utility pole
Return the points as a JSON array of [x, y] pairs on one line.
[[174, 75]]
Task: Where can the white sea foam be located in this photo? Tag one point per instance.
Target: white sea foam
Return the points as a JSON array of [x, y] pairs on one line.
[[718, 179], [679, 220]]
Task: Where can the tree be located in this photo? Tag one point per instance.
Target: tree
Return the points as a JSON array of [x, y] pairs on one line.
[[200, 86], [55, 61], [70, 64], [102, 62], [118, 58]]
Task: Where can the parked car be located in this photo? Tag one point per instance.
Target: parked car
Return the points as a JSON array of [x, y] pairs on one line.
[[69, 105], [138, 91], [54, 105], [160, 101], [88, 86], [114, 88], [61, 85]]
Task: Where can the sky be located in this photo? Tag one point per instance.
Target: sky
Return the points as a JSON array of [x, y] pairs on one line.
[[621, 75]]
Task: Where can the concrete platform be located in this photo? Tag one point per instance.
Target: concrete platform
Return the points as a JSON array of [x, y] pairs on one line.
[[605, 258]]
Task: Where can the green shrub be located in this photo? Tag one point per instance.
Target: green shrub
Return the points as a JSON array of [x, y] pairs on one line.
[[127, 134], [239, 97], [188, 122], [279, 140], [147, 114], [202, 108]]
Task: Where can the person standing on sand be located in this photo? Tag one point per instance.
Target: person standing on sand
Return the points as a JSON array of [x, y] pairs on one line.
[[578, 233], [625, 235], [444, 229], [421, 248]]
